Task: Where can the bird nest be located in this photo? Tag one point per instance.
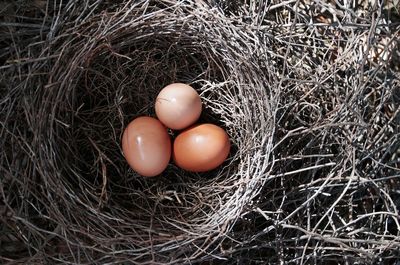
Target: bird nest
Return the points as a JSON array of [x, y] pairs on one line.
[[313, 171]]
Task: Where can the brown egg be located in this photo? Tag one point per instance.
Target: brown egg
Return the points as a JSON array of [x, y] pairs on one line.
[[201, 148], [146, 146], [178, 106]]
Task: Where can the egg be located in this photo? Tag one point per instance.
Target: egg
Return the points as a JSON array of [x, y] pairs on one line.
[[178, 106], [146, 146], [201, 148]]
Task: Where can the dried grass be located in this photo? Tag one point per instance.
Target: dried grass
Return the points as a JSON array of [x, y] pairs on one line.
[[309, 93]]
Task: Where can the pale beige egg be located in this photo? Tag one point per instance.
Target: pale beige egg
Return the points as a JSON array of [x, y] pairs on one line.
[[178, 106]]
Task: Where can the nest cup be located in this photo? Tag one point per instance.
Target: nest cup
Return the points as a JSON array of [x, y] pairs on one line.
[[109, 72], [325, 192]]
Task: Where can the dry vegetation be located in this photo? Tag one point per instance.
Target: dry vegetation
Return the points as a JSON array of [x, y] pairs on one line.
[[309, 92]]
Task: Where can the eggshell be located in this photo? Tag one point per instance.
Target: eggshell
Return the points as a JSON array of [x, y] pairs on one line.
[[146, 146], [201, 148], [178, 106]]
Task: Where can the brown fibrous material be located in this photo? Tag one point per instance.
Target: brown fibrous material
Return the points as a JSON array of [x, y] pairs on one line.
[[308, 93]]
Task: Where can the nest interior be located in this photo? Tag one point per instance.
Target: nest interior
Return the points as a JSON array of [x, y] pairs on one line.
[[312, 111]]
